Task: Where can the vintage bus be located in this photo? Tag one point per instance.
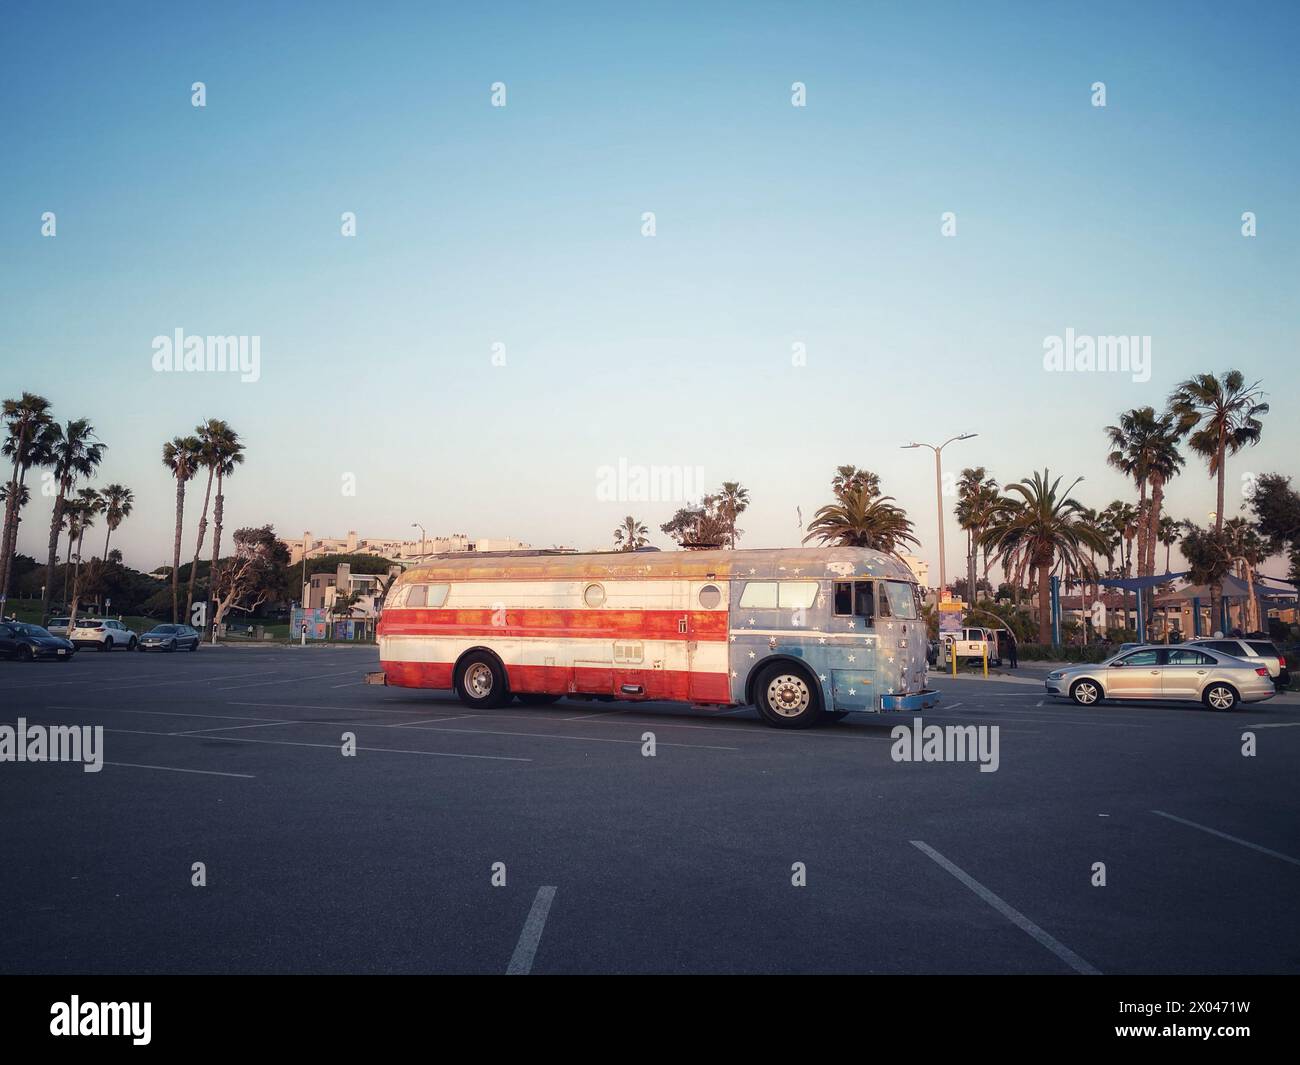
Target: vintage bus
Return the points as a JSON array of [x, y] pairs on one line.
[[801, 633]]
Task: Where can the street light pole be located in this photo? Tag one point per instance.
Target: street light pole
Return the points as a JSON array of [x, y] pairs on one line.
[[417, 525], [938, 495]]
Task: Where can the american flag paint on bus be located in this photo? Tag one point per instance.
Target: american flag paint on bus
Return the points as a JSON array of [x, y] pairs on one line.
[[800, 633]]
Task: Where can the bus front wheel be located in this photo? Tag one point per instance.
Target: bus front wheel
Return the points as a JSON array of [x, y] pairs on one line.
[[786, 697]]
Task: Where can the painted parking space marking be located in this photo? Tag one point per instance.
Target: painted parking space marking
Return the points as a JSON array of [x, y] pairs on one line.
[[177, 769], [521, 961], [325, 746], [287, 680], [191, 680], [1232, 839], [1078, 964]]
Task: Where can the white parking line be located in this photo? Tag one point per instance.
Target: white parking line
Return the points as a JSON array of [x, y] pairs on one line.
[[287, 680], [521, 961], [174, 769], [327, 746], [228, 728], [1010, 912], [558, 736], [191, 680], [1231, 839], [1276, 724]]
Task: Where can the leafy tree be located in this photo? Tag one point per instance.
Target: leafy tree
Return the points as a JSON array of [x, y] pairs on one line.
[[252, 576]]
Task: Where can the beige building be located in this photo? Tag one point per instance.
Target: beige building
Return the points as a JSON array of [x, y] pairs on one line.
[[397, 550]]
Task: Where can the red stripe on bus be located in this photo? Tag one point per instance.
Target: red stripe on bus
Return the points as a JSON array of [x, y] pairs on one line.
[[667, 684], [557, 623]]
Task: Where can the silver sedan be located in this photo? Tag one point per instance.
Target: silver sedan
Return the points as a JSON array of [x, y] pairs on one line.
[[1180, 672]]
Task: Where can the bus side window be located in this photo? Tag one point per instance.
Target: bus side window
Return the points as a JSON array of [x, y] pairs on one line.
[[865, 600], [417, 595], [843, 599], [885, 612]]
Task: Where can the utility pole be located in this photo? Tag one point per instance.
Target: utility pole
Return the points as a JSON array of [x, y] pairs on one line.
[[938, 494]]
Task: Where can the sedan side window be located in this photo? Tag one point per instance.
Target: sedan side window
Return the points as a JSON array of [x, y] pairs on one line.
[[1140, 658], [1189, 658]]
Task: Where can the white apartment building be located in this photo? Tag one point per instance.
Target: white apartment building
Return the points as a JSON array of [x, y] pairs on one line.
[[397, 550]]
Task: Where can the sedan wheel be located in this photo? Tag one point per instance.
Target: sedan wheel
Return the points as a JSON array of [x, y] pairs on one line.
[[26, 654], [1220, 697], [1085, 693]]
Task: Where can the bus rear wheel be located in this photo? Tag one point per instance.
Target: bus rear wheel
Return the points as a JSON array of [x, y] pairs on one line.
[[480, 681], [786, 698]]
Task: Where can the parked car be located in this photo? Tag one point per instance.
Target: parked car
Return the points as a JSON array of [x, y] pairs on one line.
[[102, 633], [1251, 649], [974, 643], [29, 642], [1184, 672], [170, 638], [58, 627]]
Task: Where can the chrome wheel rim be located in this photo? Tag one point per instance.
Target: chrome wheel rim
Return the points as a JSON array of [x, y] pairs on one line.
[[1220, 698], [789, 695], [478, 680], [1086, 694]]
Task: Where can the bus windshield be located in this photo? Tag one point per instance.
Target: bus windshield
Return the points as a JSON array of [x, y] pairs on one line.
[[902, 603]]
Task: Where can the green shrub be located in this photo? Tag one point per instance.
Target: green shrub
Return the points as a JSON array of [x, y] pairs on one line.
[[1046, 652]]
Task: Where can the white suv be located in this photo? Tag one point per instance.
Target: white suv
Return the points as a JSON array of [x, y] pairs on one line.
[[1251, 649], [103, 633]]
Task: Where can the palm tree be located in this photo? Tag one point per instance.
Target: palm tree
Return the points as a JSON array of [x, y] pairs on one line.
[[1222, 415], [1120, 522], [25, 420], [210, 434], [731, 501], [73, 453], [181, 456], [117, 503], [1144, 446], [1168, 535], [1244, 545], [631, 534], [1048, 528], [229, 454], [81, 516], [848, 478], [860, 519], [977, 499]]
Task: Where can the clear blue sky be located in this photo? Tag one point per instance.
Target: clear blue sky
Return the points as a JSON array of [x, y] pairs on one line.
[[522, 225]]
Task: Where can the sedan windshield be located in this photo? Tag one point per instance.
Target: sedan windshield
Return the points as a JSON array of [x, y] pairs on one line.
[[165, 629]]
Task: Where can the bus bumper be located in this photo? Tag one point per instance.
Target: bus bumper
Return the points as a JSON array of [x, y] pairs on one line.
[[921, 700]]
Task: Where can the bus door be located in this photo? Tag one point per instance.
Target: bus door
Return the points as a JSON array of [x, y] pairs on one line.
[[703, 627]]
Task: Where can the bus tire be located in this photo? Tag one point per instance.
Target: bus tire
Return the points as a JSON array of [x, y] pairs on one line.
[[480, 680], [786, 697], [537, 698]]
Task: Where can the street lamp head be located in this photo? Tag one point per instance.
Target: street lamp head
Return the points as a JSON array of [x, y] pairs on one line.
[[912, 444], [967, 436]]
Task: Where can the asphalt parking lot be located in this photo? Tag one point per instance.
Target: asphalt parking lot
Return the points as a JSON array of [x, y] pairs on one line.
[[618, 862]]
